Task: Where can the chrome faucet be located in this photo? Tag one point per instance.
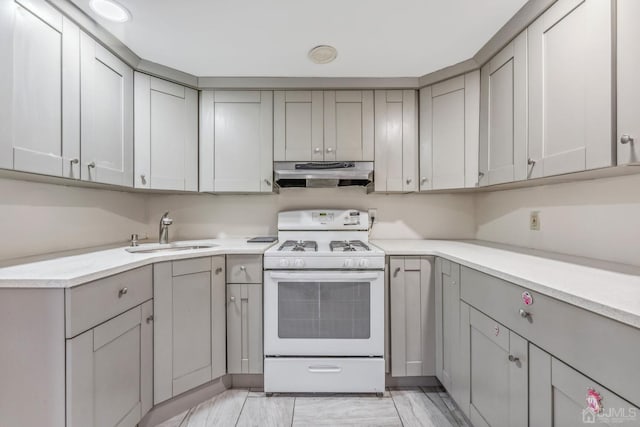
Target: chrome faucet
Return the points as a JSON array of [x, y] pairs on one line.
[[163, 231]]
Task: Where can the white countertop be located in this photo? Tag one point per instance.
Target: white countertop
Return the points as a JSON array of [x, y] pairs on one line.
[[611, 290], [69, 271]]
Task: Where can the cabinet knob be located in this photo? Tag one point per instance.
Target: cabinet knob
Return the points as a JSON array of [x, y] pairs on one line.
[[218, 270], [626, 139], [122, 292], [480, 174], [91, 165], [513, 358], [266, 181], [150, 319], [316, 150], [531, 162], [395, 273], [232, 299], [329, 150], [423, 179], [524, 314], [409, 181], [243, 268], [74, 161]]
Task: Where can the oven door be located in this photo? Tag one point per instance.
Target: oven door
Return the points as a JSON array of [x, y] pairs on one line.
[[324, 313]]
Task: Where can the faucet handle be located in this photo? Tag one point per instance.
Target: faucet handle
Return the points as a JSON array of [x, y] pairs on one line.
[[167, 221]]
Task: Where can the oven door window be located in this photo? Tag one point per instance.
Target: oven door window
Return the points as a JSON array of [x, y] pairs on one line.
[[329, 310]]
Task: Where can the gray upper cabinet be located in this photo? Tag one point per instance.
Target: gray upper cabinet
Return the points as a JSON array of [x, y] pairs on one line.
[[189, 335], [348, 125], [39, 90], [109, 371], [412, 318], [559, 395], [498, 363], [236, 141], [298, 125], [449, 132], [628, 81], [570, 90], [106, 115], [503, 115], [396, 140], [166, 135]]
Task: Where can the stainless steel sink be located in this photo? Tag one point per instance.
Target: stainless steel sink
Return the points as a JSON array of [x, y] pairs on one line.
[[168, 247]]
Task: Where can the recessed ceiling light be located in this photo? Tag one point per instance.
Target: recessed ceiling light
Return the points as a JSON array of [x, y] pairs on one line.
[[111, 10], [323, 54]]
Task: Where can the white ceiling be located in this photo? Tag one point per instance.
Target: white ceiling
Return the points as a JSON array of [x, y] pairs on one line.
[[271, 38]]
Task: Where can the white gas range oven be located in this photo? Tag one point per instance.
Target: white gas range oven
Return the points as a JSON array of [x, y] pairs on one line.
[[324, 305]]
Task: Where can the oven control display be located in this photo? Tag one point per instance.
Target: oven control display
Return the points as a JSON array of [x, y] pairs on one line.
[[352, 218], [322, 217]]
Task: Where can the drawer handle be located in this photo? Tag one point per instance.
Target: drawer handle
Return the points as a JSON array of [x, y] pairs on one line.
[[122, 292], [243, 268], [218, 270], [150, 319], [524, 314], [325, 369], [513, 358]]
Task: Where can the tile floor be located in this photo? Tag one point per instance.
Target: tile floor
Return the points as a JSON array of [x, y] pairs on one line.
[[408, 406]]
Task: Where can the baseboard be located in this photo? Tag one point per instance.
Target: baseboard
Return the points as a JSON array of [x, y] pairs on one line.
[[411, 381], [247, 380], [176, 405]]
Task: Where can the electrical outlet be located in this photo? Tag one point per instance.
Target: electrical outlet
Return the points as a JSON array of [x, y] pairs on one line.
[[534, 221], [373, 213]]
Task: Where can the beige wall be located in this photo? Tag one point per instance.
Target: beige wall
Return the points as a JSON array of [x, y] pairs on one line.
[[39, 218], [597, 218], [411, 216]]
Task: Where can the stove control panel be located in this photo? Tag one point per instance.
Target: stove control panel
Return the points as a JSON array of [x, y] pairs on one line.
[[323, 263]]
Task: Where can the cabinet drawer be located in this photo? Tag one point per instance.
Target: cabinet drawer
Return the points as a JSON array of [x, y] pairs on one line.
[[601, 348], [244, 269], [89, 305]]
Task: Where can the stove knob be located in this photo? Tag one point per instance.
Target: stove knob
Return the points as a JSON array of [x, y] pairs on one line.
[[284, 262], [364, 263], [299, 263], [348, 263]]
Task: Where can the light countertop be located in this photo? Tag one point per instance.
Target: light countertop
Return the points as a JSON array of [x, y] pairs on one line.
[[69, 271], [611, 290]]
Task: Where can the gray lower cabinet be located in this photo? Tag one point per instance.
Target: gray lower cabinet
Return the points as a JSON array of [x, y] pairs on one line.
[[244, 328], [411, 294], [189, 337], [498, 371], [559, 395], [109, 371], [447, 323]]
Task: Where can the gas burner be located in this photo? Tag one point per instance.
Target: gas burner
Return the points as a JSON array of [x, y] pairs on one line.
[[348, 246], [299, 246]]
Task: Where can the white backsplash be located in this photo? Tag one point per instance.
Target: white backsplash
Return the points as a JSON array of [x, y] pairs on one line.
[[597, 218]]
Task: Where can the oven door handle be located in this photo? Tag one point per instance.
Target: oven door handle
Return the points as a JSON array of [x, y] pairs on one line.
[[317, 277]]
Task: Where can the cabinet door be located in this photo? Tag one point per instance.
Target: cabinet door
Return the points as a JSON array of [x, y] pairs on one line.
[[498, 361], [40, 95], [628, 81], [109, 371], [412, 316], [348, 125], [236, 141], [449, 132], [447, 311], [396, 140], [106, 115], [559, 396], [503, 115], [189, 333], [570, 65], [166, 135], [298, 125], [244, 329]]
